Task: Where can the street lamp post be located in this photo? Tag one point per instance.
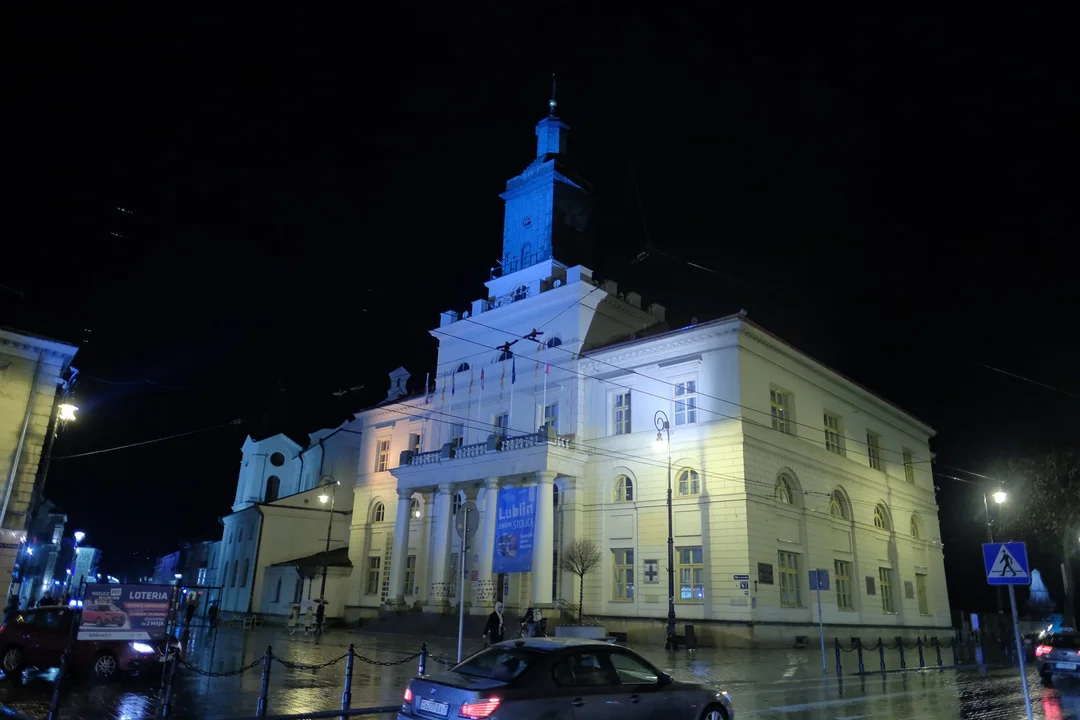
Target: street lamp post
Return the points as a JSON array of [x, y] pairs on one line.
[[660, 420], [325, 481], [999, 498]]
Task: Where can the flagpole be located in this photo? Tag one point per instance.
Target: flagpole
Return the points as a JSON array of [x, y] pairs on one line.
[[479, 399], [427, 397], [513, 382], [543, 406]]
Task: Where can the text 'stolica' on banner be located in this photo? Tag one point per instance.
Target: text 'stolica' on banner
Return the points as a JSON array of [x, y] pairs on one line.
[[514, 530]]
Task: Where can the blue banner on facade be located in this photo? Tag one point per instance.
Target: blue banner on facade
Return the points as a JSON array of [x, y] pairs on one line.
[[124, 612], [514, 529]]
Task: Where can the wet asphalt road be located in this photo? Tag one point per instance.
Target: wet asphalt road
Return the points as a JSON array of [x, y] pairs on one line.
[[766, 684]]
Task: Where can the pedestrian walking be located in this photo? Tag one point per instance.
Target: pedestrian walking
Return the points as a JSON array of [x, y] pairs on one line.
[[189, 613], [530, 621], [309, 618], [294, 619], [494, 630], [212, 613], [320, 616]]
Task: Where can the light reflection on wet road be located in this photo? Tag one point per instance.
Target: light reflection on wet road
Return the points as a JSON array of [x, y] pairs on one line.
[[764, 684]]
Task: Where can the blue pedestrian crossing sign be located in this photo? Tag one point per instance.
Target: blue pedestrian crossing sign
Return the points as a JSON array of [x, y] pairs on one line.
[[1006, 563]]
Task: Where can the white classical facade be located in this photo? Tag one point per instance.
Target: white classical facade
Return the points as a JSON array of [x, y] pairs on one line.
[[778, 465]]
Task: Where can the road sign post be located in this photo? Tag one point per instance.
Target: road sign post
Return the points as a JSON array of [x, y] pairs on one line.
[[1007, 564], [819, 580], [465, 522]]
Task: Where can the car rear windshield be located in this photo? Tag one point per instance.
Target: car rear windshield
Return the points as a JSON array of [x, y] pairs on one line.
[[502, 664], [1069, 641]]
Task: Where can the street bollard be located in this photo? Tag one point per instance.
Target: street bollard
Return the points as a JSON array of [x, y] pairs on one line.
[[881, 653], [858, 646], [264, 687], [166, 706], [919, 645], [54, 707], [900, 644], [937, 647], [346, 697], [838, 671], [423, 659]]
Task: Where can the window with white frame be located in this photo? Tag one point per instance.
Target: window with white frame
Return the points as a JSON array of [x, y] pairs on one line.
[[790, 595], [459, 500], [873, 451], [410, 575], [382, 456], [457, 435], [500, 424], [838, 505], [623, 560], [385, 592], [620, 413], [378, 513], [414, 508], [909, 466], [842, 577], [551, 417], [690, 567], [885, 590], [416, 442], [686, 402], [913, 528], [624, 489], [689, 483], [881, 517], [834, 434], [780, 404], [782, 493], [374, 564]]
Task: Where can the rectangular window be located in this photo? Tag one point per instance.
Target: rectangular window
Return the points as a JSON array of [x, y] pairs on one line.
[[551, 418], [620, 413], [842, 575], [780, 401], [686, 402], [833, 434], [499, 424], [788, 562], [410, 575], [201, 580], [382, 456], [885, 589], [873, 451], [373, 563], [909, 467], [415, 443], [691, 569], [386, 575], [921, 594], [457, 435], [624, 574]]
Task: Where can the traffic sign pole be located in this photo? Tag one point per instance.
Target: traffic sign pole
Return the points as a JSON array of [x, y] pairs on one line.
[[1020, 650], [461, 591]]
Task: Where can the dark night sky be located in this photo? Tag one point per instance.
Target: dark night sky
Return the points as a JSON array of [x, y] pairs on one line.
[[894, 194]]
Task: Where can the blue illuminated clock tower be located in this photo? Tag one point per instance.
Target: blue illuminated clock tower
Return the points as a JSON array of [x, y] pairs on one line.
[[548, 206]]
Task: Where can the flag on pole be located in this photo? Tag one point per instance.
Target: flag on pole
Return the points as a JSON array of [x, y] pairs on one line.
[[502, 378], [427, 389], [453, 384], [442, 400], [513, 371], [481, 380], [472, 376]]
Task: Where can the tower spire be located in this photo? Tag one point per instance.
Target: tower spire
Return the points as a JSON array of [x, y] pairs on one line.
[[551, 103], [551, 131]]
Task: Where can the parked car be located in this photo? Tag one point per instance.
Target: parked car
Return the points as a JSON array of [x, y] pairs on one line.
[[37, 638], [102, 614], [1058, 655], [559, 677]]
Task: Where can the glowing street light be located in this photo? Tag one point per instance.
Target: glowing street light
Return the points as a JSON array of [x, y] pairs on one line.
[[79, 535], [67, 412], [999, 496], [324, 498]]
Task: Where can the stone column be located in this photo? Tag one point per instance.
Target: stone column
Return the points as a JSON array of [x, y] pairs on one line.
[[485, 548], [570, 508], [396, 595], [543, 539], [440, 551]]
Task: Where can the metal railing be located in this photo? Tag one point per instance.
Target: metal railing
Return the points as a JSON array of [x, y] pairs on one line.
[[495, 444]]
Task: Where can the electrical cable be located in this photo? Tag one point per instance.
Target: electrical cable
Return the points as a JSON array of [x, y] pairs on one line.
[[148, 442]]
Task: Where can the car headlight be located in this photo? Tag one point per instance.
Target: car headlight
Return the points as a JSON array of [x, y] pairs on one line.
[[142, 648]]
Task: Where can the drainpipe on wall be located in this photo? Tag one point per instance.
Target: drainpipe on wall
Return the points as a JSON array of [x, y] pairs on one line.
[[14, 474], [258, 548]]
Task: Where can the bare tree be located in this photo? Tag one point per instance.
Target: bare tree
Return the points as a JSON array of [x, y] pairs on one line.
[[580, 557]]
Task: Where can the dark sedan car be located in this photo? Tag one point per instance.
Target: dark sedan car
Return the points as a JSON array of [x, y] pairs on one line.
[[1058, 655], [559, 678]]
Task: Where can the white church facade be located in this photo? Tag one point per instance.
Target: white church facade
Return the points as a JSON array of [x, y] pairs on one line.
[[778, 465]]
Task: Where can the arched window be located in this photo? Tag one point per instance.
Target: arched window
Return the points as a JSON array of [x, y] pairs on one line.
[[554, 341], [624, 489], [837, 506], [459, 500], [414, 508], [273, 486], [378, 513], [914, 527], [555, 498], [689, 483], [505, 355], [782, 493], [881, 517], [462, 367]]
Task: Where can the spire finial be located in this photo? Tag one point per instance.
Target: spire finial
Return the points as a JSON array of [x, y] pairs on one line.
[[551, 103]]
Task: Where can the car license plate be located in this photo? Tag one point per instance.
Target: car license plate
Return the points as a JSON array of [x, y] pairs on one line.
[[435, 708], [1066, 666]]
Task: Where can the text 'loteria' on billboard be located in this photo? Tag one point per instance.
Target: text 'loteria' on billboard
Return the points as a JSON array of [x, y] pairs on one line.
[[124, 612]]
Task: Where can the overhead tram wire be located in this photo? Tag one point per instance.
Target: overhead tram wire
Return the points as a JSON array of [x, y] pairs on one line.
[[149, 442]]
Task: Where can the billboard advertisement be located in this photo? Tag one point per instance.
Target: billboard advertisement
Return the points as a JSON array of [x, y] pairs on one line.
[[514, 529], [124, 612]]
